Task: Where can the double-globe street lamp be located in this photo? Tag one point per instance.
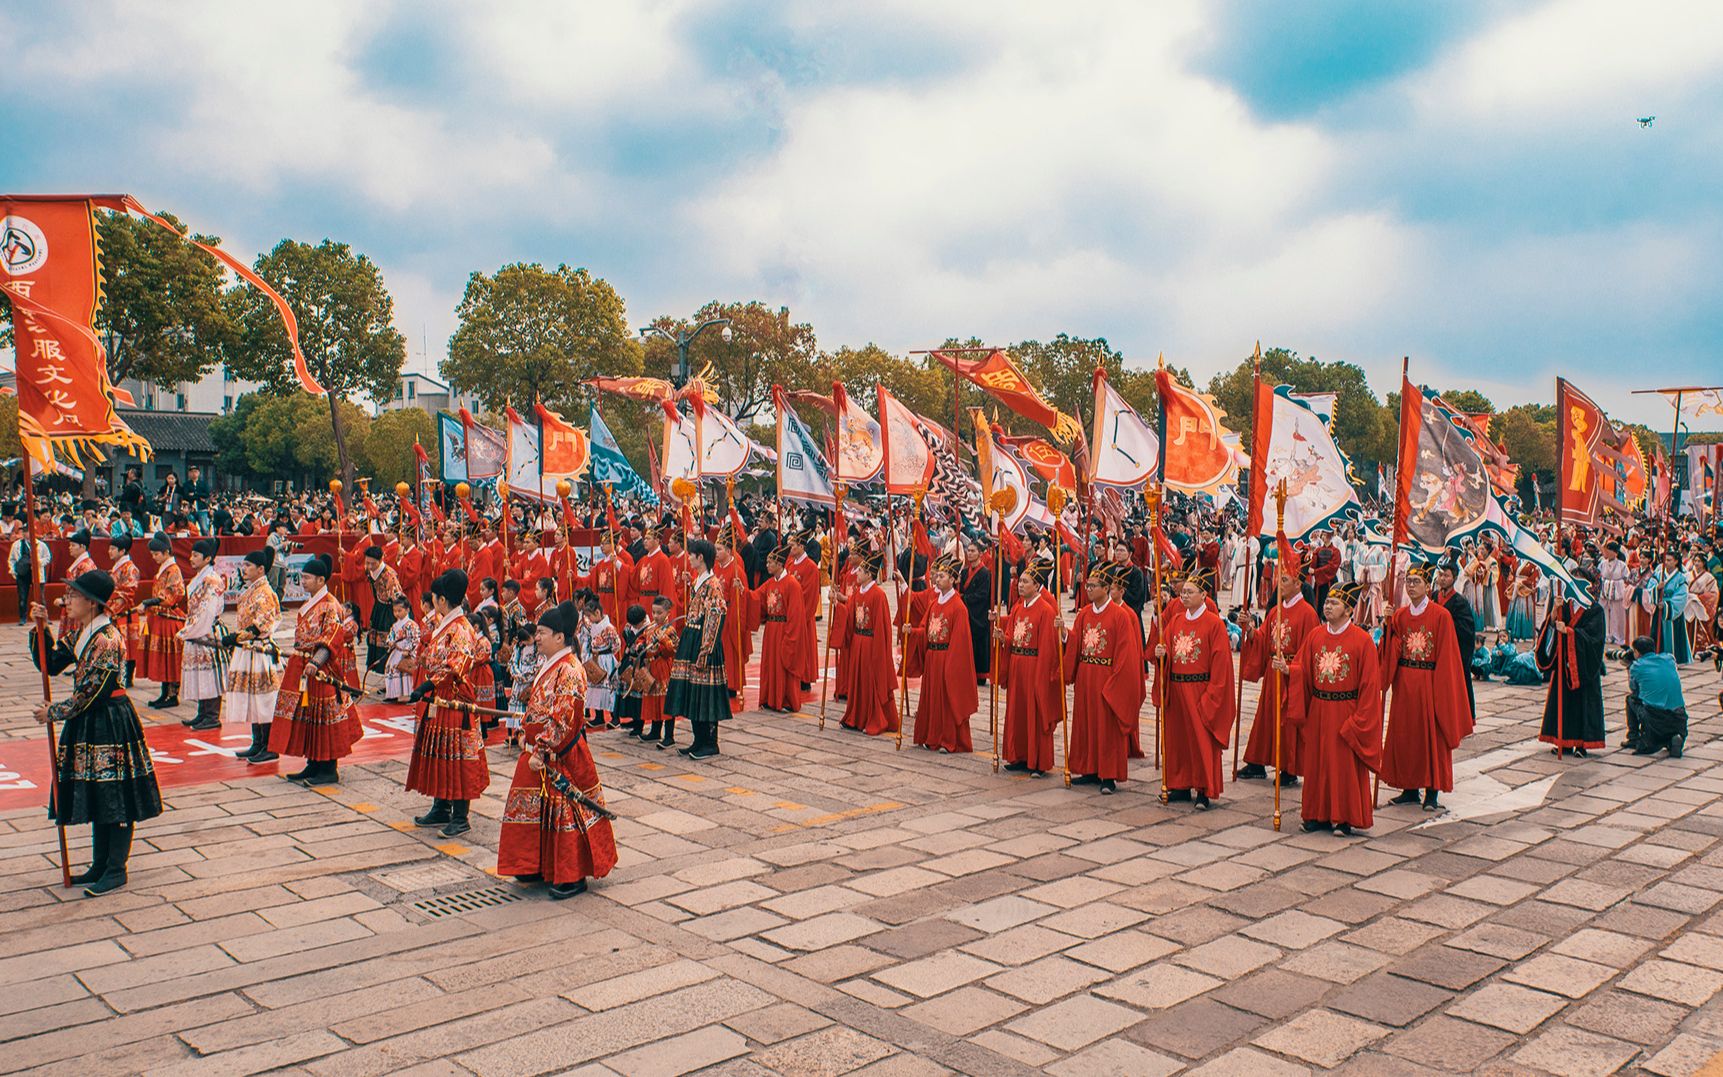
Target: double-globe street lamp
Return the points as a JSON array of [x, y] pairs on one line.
[[685, 339]]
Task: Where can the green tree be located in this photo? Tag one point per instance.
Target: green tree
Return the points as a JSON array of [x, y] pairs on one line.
[[389, 445], [10, 447], [162, 317], [228, 433], [1527, 433], [1469, 401], [766, 346], [921, 388], [528, 333], [1363, 428], [289, 437], [345, 330]]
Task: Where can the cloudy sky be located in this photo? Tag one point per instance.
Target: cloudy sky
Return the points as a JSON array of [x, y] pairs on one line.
[[1462, 182]]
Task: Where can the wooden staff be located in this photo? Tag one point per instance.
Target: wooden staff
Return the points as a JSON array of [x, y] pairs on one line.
[[1238, 703], [401, 492], [830, 550], [993, 671], [739, 585], [1055, 503], [1152, 495], [1279, 692], [903, 629], [39, 578], [340, 566]]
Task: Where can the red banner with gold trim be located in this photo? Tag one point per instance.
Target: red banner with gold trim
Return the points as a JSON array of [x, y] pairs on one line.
[[999, 376]]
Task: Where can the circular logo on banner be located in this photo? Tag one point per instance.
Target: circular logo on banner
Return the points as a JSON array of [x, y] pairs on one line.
[[23, 247]]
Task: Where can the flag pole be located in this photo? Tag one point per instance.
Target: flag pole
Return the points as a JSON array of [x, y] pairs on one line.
[[739, 585], [993, 670], [1056, 504], [830, 550], [1388, 603], [1274, 674], [1256, 475], [39, 579], [903, 629], [1152, 495]]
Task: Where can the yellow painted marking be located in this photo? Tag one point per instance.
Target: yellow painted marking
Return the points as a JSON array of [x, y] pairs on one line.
[[838, 816], [690, 777], [790, 805], [452, 848], [362, 807], [402, 825], [651, 766], [610, 755], [741, 792]]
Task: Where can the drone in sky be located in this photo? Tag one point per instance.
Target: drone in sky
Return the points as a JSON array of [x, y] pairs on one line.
[[1647, 121]]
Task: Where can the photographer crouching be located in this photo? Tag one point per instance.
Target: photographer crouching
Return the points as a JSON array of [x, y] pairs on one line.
[[1656, 709]]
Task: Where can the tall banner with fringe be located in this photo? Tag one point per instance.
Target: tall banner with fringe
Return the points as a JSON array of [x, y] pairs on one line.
[[50, 272]]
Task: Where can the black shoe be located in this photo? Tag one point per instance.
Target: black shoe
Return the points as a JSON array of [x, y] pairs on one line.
[[1409, 796], [257, 744], [1287, 781], [535, 877], [1645, 749], [160, 700], [204, 724], [1016, 768], [1582, 753], [1676, 743], [1311, 826], [1430, 801], [1037, 774], [301, 775], [131, 667], [663, 744], [563, 891], [324, 775], [455, 828], [1630, 743], [701, 753], [654, 732], [98, 856], [1084, 779], [437, 816], [1201, 802], [1108, 787], [1253, 770], [1343, 829], [1178, 796], [265, 756], [172, 700]]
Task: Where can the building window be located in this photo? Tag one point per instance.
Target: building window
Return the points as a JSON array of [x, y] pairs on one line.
[[227, 402], [412, 390], [180, 397]]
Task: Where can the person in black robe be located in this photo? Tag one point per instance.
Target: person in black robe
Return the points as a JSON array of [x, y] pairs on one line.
[[1570, 653], [978, 599], [1464, 621]]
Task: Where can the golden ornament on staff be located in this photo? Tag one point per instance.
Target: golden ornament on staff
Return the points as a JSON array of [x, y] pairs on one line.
[[401, 491]]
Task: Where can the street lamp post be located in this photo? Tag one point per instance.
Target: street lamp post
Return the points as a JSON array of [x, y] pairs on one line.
[[684, 340]]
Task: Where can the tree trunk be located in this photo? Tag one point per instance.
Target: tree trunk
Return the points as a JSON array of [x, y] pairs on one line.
[[345, 462]]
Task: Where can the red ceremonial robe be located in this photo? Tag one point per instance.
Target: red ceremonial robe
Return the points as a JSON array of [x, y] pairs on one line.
[[1428, 716], [448, 760], [311, 718], [1336, 705], [1194, 684], [532, 567], [738, 638], [1029, 670], [807, 573], [846, 588], [611, 579], [353, 576], [948, 698], [872, 706], [652, 577], [1282, 632], [410, 569], [544, 832], [486, 564], [1104, 660], [782, 644]]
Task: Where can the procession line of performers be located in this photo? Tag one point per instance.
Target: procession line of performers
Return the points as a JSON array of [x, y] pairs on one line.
[[689, 617]]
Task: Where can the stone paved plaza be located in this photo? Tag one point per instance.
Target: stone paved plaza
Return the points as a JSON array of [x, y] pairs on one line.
[[815, 902]]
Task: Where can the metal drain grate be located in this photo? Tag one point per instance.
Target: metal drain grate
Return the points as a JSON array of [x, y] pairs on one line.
[[469, 901]]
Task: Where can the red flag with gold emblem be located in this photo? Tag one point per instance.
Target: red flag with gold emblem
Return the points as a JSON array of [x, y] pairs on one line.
[[1198, 452], [1591, 450], [999, 375]]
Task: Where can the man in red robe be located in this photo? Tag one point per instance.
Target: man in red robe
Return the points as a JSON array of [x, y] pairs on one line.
[[806, 570], [532, 565], [1335, 702], [1280, 636], [1029, 669], [611, 578], [1429, 715], [782, 644], [1105, 664], [410, 569], [1193, 682], [872, 705], [947, 660], [739, 617], [487, 563], [652, 572]]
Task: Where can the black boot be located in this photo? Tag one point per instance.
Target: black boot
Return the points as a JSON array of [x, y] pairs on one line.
[[208, 715], [171, 692], [564, 891], [309, 769], [131, 667], [669, 740], [1287, 781], [119, 851], [1253, 770], [457, 824], [437, 816], [255, 746], [323, 773], [653, 731], [1430, 801], [99, 835], [161, 699], [263, 754], [1408, 796]]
